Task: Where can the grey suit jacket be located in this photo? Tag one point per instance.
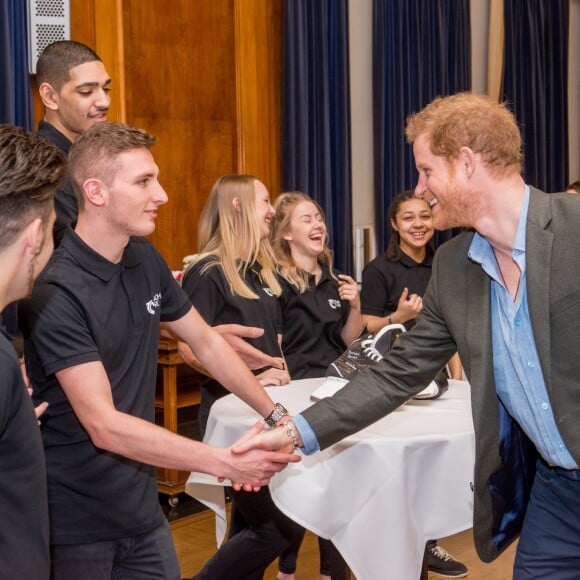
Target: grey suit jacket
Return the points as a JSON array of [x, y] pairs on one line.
[[457, 316]]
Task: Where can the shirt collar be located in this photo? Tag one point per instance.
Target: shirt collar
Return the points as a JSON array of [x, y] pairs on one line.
[[480, 249], [407, 261], [92, 261], [53, 134]]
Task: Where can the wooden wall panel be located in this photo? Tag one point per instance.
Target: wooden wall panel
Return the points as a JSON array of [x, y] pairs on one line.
[[180, 87], [259, 84], [204, 77]]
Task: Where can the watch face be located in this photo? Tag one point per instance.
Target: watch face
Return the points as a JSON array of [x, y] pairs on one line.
[[278, 412]]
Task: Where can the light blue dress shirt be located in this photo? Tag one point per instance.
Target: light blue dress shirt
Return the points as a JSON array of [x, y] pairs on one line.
[[518, 375]]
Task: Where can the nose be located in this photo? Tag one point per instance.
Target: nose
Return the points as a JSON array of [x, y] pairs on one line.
[[160, 197], [103, 99], [420, 188]]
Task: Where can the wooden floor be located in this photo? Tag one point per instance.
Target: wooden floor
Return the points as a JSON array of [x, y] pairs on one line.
[[194, 538]]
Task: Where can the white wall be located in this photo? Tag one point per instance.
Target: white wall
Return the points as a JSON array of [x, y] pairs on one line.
[[360, 39]]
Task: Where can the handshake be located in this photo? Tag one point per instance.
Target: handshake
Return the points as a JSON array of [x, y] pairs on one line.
[[259, 454]]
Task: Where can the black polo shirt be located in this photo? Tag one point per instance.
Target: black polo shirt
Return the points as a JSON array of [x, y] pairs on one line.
[[312, 323], [85, 308], [23, 503], [210, 293], [65, 203], [383, 282]]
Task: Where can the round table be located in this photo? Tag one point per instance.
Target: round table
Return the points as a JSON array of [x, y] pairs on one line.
[[380, 494]]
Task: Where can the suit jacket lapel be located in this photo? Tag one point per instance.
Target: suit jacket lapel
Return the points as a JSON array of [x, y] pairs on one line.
[[478, 327], [538, 250]]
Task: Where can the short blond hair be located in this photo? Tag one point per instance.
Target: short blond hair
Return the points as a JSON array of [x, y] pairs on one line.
[[470, 120], [94, 154]]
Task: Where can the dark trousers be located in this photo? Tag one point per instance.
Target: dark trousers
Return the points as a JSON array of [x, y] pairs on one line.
[[247, 554], [549, 545], [289, 556], [149, 556]]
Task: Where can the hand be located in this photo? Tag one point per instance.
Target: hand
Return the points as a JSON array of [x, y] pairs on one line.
[[348, 290], [253, 467], [408, 306], [272, 440], [39, 409], [274, 377], [234, 334]]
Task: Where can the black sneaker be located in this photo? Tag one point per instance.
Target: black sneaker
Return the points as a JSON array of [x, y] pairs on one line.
[[440, 562], [368, 349]]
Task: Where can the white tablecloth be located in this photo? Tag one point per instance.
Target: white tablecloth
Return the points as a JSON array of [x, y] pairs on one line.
[[380, 494]]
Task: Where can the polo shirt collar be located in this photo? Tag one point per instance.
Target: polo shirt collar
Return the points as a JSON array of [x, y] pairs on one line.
[[92, 261], [407, 261], [51, 132]]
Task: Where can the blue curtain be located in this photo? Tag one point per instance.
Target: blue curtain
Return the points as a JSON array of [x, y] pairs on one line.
[[421, 50], [535, 85], [15, 93], [316, 114]]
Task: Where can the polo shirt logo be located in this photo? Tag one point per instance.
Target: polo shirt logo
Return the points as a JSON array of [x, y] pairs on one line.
[[333, 303], [268, 291], [153, 303]]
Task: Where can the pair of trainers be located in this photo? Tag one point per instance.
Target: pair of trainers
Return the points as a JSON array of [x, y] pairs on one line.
[[442, 563], [367, 350]]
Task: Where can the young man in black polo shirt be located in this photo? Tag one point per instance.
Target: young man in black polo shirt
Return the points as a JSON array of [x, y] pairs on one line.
[[74, 87], [92, 327], [30, 171]]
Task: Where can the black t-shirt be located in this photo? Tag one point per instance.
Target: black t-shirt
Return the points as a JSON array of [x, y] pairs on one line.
[[23, 501], [210, 293], [65, 203], [312, 325], [383, 282], [85, 308]]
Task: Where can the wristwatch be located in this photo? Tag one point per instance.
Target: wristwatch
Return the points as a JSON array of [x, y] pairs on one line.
[[278, 412]]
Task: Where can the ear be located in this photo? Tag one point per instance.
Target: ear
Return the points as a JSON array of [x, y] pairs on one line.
[[288, 237], [95, 191], [34, 236], [49, 96], [237, 205], [394, 225], [467, 161]]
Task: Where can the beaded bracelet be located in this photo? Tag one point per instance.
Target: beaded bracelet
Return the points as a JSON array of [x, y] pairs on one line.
[[292, 434]]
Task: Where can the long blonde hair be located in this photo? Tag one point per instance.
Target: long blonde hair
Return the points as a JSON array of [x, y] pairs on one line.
[[285, 205], [224, 229]]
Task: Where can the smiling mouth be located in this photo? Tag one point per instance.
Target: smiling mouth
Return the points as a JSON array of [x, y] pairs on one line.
[[433, 202]]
